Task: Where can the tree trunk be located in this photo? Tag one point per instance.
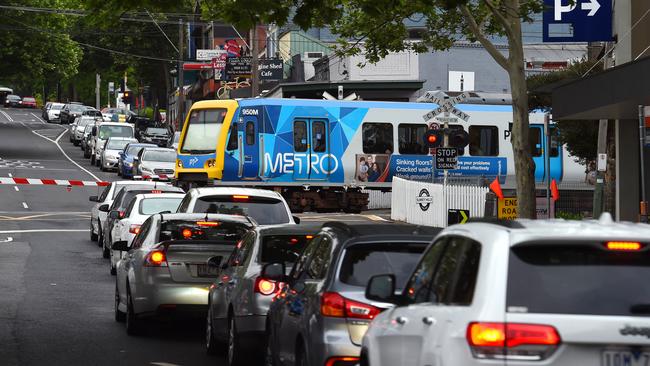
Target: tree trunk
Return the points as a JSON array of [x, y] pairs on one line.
[[524, 165]]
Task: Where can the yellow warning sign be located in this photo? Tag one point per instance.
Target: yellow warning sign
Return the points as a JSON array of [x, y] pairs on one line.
[[507, 208]]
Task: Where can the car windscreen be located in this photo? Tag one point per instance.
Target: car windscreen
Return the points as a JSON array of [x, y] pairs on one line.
[[13, 97], [92, 113], [150, 206], [127, 196], [115, 131], [160, 155], [85, 122], [57, 107], [29, 100], [283, 248], [134, 150], [362, 261], [117, 144], [266, 211], [202, 131], [222, 231], [156, 131], [76, 108], [578, 279]]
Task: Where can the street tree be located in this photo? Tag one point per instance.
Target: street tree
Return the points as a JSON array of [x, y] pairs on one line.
[[378, 27]]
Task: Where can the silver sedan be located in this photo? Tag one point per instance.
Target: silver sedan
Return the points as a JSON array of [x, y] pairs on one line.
[[171, 264]]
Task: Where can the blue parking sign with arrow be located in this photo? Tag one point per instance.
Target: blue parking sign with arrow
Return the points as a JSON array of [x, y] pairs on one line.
[[577, 20]]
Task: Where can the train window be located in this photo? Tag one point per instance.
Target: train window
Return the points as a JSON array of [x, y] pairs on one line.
[[411, 138], [483, 141], [233, 143], [555, 142], [461, 152], [250, 133], [535, 141], [300, 136], [318, 136], [377, 138]]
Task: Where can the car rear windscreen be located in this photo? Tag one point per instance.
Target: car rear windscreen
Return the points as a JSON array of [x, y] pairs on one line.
[[223, 232], [362, 261], [266, 211], [150, 206], [578, 279], [282, 248]]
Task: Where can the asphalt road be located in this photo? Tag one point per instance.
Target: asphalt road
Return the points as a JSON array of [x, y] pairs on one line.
[[56, 302]]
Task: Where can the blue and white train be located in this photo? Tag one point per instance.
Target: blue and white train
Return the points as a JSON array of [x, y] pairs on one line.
[[320, 154]]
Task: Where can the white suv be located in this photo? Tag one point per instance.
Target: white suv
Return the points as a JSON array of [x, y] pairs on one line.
[[520, 293], [264, 206]]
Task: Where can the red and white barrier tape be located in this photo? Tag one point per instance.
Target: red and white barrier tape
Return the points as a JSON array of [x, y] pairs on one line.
[[53, 182]]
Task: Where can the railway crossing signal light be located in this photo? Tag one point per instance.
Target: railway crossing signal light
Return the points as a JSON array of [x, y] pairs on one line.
[[433, 138]]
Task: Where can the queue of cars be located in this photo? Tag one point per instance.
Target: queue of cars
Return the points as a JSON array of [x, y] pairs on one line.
[[15, 101]]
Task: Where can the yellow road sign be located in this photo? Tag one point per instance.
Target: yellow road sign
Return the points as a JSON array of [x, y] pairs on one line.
[[507, 208]]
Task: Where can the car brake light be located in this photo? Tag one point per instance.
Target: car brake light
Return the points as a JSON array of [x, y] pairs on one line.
[[624, 246], [309, 236], [240, 197], [342, 361], [156, 258], [156, 191], [337, 306], [134, 229], [208, 223], [523, 342], [266, 287], [187, 233], [293, 241]]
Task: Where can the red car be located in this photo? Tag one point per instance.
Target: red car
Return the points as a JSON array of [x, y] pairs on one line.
[[28, 102]]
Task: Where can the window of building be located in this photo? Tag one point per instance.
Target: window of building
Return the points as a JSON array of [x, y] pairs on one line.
[[300, 136], [377, 138], [411, 138], [483, 141]]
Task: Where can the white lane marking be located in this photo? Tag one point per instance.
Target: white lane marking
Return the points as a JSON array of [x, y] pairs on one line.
[[9, 239], [16, 188], [7, 116], [376, 218], [25, 205], [56, 142], [44, 231], [37, 118]]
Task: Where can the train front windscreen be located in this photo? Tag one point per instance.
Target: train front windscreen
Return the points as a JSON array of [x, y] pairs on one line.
[[203, 131]]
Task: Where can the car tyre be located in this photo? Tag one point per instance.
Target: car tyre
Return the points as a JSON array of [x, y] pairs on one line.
[[120, 316], [113, 270], [301, 356], [269, 355], [93, 236], [92, 158], [235, 355], [212, 346], [75, 143], [86, 153], [100, 235], [106, 253], [101, 166], [119, 171], [132, 321]]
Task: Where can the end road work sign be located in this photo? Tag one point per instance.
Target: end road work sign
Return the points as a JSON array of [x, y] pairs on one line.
[[577, 20]]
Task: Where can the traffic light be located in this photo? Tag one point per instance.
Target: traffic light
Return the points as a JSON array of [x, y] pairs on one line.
[[433, 138], [126, 97], [458, 138]]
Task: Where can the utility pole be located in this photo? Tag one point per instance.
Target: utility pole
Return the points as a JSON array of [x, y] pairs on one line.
[[98, 82], [601, 158], [255, 86], [181, 77]]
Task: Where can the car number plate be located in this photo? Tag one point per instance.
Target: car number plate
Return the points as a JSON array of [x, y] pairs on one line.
[[202, 270], [625, 358]]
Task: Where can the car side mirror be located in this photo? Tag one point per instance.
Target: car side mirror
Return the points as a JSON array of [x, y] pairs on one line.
[[215, 262], [274, 272], [114, 214], [296, 219], [93, 199], [94, 131], [381, 288], [135, 158], [121, 245], [103, 208]]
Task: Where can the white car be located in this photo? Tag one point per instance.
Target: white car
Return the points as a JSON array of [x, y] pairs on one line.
[[100, 210], [111, 152], [523, 292], [54, 111], [264, 206], [155, 161], [80, 123], [137, 212], [103, 132]]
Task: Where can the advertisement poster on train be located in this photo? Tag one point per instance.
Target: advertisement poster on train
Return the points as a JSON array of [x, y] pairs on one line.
[[414, 167], [372, 168]]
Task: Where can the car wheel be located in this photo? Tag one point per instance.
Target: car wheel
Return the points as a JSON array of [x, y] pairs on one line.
[[113, 270], [301, 357], [101, 166], [106, 253], [93, 236], [75, 143], [100, 235], [119, 171], [235, 355], [211, 344], [92, 158], [120, 317], [86, 154], [132, 322]]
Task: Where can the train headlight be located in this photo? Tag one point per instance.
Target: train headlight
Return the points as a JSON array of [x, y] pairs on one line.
[[179, 163]]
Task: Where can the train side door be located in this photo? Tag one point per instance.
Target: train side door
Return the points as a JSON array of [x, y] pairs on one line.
[[539, 152], [311, 150], [249, 148]]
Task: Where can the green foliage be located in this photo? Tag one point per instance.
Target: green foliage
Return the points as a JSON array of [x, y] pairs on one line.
[[580, 137], [568, 215]]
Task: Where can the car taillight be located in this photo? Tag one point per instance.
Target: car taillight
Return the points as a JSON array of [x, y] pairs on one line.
[[156, 258], [267, 287], [523, 342], [134, 229], [624, 246], [336, 306], [342, 361]]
